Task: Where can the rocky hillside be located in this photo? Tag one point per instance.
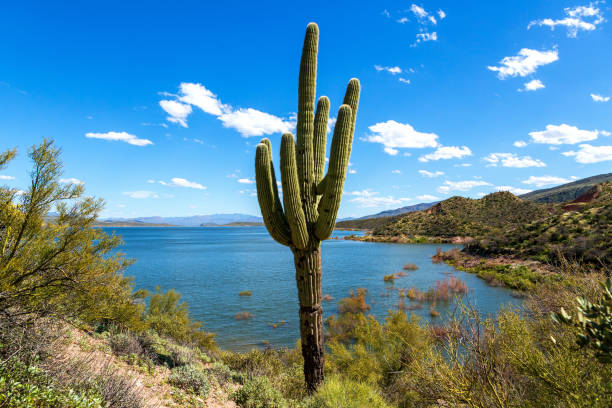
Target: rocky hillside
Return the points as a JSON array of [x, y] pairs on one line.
[[576, 231], [566, 192], [459, 216]]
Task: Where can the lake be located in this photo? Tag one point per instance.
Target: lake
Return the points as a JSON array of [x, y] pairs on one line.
[[209, 266]]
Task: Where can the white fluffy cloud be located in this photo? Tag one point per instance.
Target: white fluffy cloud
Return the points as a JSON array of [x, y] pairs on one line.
[[591, 154], [512, 160], [396, 172], [519, 143], [427, 197], [563, 134], [393, 135], [540, 181], [372, 199], [121, 137], [525, 63], [251, 122], [247, 121], [533, 85], [140, 194], [246, 181], [581, 18], [599, 98], [177, 111], [71, 180], [513, 190], [198, 95], [441, 14], [3, 177], [392, 70], [465, 185], [447, 152], [181, 182], [431, 174]]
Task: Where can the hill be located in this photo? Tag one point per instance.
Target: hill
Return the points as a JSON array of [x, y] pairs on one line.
[[194, 220], [376, 220], [566, 192], [128, 223], [459, 216], [578, 231], [365, 223], [399, 211], [236, 224]]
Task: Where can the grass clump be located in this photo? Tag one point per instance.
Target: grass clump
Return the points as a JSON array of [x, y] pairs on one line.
[[244, 293], [410, 267], [258, 392], [190, 378], [338, 392]]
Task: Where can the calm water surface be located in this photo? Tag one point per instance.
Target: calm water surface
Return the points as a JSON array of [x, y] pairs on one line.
[[209, 266]]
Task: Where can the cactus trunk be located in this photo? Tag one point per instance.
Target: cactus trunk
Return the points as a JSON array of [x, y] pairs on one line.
[[311, 200], [308, 277]]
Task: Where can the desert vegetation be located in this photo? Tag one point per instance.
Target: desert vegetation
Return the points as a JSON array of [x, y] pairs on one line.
[[82, 345]]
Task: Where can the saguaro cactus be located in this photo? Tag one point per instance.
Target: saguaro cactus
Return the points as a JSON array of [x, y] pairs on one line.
[[310, 199]]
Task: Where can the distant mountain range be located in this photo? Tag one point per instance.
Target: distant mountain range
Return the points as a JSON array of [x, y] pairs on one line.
[[399, 211], [559, 194], [192, 221]]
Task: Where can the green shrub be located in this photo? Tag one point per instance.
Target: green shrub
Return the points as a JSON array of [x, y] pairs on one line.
[[23, 386], [168, 316], [338, 392], [221, 372], [258, 392], [594, 323], [124, 344], [190, 378]]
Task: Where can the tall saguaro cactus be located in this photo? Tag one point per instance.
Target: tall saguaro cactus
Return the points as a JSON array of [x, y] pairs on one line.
[[310, 199]]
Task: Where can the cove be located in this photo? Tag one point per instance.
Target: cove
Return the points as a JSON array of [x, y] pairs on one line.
[[210, 266]]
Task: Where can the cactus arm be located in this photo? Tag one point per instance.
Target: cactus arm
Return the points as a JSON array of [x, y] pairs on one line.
[[305, 121], [336, 174], [267, 195], [291, 193], [267, 142], [320, 138], [351, 98]]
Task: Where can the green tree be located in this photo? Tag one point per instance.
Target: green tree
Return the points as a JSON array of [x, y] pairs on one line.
[[53, 261]]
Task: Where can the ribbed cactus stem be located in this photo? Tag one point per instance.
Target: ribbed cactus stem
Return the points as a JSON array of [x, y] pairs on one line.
[[307, 84], [291, 193], [351, 98], [268, 144], [311, 200], [320, 137], [267, 195], [336, 173]]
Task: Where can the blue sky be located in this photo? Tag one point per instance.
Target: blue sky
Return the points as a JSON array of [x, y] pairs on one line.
[[158, 106]]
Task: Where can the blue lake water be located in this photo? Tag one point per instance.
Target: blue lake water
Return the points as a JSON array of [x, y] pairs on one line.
[[209, 266]]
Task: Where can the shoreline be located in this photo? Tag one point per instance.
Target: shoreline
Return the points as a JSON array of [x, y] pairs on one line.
[[518, 274], [402, 239]]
